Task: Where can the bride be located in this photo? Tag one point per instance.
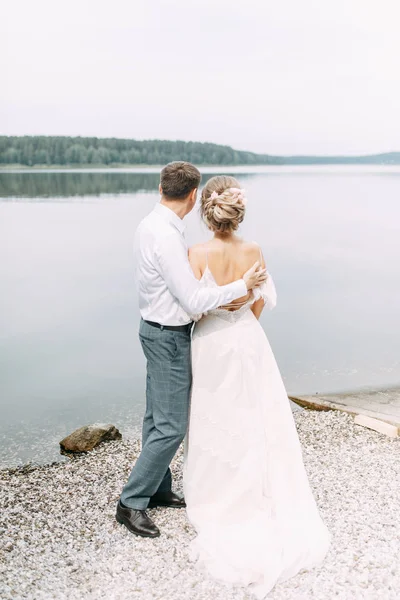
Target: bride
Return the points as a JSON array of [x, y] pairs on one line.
[[246, 489]]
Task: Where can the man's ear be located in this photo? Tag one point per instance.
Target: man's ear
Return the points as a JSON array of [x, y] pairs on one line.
[[160, 189], [193, 195]]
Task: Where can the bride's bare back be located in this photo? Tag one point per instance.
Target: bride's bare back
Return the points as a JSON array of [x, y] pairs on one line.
[[228, 259]]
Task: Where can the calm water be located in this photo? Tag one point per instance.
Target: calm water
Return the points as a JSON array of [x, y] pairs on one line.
[[69, 353]]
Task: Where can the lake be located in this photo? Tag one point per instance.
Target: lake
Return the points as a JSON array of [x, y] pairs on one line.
[[69, 351]]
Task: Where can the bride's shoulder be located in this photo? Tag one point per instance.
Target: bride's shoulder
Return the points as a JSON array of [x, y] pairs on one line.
[[253, 251], [251, 247]]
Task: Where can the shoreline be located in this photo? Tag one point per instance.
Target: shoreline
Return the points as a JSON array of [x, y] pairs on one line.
[[299, 402], [260, 168], [60, 538]]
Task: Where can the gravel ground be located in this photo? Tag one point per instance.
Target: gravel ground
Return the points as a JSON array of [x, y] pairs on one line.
[[60, 540]]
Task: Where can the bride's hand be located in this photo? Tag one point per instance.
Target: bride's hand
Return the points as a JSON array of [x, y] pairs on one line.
[[255, 276]]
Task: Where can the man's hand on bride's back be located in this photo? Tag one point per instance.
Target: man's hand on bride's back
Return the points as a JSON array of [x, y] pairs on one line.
[[255, 276]]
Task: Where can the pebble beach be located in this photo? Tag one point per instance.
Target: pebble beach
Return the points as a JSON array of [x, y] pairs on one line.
[[59, 538]]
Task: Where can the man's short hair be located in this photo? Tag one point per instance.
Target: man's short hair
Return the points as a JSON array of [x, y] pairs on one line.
[[178, 179]]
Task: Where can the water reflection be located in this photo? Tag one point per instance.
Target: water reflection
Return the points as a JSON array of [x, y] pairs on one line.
[[66, 185], [45, 185]]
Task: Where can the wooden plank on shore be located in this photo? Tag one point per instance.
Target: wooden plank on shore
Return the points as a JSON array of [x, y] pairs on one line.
[[312, 404], [383, 406], [377, 425]]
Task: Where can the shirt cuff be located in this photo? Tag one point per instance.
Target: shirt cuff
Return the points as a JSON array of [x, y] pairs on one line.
[[238, 289]]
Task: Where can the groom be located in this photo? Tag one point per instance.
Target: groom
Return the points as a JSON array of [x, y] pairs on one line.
[[168, 294]]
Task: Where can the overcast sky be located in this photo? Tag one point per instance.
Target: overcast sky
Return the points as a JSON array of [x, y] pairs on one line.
[[273, 76]]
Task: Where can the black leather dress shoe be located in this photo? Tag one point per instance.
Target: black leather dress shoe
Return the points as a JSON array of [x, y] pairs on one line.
[[137, 521], [169, 499]]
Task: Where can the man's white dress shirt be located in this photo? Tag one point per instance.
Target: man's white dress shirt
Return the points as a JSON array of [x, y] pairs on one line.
[[168, 290]]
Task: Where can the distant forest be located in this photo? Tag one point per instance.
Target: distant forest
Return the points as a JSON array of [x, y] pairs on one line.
[[63, 151], [82, 151]]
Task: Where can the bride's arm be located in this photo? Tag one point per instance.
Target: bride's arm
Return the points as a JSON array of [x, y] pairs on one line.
[[258, 305]]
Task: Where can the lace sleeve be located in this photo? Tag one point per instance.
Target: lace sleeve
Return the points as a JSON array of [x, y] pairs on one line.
[[267, 292]]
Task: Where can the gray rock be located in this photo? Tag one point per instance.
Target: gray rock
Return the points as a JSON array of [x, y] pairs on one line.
[[86, 438]]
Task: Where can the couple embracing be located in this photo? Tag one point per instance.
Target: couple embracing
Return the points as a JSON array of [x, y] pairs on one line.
[[246, 490]]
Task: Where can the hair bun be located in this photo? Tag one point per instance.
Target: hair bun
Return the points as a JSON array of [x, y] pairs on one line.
[[223, 204]]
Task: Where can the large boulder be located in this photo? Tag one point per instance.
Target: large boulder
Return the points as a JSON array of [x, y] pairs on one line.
[[86, 438]]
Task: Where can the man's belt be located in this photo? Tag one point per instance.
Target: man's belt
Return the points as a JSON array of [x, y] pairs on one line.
[[184, 328]]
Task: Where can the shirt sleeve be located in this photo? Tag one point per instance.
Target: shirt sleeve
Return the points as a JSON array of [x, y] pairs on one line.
[[177, 273]]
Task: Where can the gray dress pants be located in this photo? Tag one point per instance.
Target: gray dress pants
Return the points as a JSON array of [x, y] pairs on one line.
[[169, 379]]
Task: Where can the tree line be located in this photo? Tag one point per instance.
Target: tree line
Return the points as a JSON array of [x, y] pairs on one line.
[[64, 151]]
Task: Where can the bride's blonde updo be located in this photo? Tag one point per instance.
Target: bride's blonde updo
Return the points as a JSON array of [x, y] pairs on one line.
[[223, 204]]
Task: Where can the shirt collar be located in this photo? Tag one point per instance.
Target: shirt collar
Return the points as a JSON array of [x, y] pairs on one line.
[[168, 215]]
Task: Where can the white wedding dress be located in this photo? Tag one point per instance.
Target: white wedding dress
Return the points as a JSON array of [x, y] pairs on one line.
[[246, 489]]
